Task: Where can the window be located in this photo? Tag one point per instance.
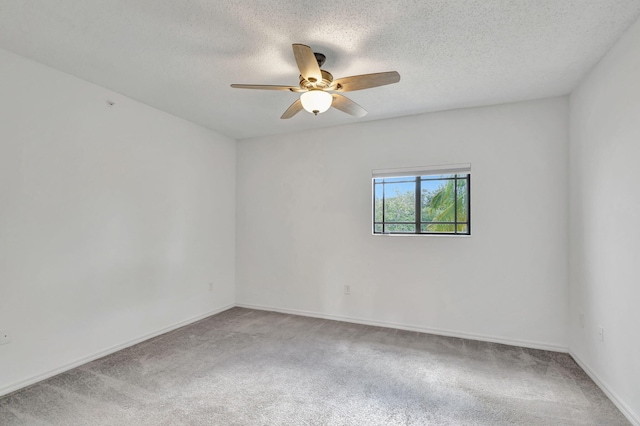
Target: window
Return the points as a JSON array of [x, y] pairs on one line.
[[427, 200]]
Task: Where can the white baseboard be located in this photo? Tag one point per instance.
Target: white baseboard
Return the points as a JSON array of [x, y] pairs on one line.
[[448, 333], [34, 379], [633, 417]]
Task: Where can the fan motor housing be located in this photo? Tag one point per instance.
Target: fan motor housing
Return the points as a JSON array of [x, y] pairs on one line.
[[327, 78]]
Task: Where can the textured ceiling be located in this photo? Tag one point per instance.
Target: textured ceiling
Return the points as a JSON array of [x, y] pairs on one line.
[[181, 56]]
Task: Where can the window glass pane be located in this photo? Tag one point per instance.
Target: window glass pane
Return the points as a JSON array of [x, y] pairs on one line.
[[437, 201], [392, 227], [443, 206], [399, 202], [377, 203], [462, 200], [437, 227]]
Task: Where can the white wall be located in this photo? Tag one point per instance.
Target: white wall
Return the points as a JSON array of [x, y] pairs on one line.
[[304, 225], [604, 211], [112, 220]]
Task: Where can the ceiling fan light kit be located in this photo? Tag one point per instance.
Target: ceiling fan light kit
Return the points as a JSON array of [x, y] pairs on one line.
[[316, 101], [316, 85]]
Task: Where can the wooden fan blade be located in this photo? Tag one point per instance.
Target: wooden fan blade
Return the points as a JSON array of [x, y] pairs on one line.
[[345, 104], [365, 81], [266, 87], [295, 108], [307, 63]]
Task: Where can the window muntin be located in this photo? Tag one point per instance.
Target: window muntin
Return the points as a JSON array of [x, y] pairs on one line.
[[442, 207]]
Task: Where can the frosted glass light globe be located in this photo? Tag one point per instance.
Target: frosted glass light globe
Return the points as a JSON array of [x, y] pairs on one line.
[[316, 101]]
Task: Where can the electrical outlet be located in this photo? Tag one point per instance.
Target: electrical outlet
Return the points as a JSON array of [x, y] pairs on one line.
[[581, 319], [347, 289], [601, 334], [5, 337]]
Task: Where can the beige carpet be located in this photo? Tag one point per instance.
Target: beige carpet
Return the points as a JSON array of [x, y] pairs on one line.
[[246, 367]]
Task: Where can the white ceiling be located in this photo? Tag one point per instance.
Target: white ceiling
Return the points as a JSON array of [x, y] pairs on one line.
[[181, 56]]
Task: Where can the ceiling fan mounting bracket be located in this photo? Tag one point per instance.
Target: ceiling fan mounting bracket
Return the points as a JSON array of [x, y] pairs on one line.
[[320, 58]]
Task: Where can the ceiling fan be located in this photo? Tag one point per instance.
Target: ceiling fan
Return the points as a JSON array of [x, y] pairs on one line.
[[316, 85]]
